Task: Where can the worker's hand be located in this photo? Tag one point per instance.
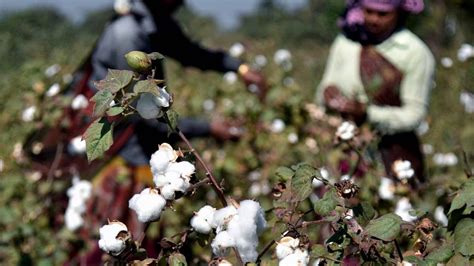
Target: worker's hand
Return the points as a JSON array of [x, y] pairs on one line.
[[254, 80], [226, 130], [348, 108]]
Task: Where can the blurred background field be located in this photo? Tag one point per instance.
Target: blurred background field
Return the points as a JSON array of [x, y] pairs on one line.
[[33, 40]]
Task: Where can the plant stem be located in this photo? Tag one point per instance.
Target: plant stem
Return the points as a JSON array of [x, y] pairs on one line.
[[140, 240], [399, 251], [217, 188]]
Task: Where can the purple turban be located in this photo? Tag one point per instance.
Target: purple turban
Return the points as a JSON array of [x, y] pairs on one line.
[[411, 6]]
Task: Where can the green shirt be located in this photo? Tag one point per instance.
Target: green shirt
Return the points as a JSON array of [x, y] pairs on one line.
[[406, 52]]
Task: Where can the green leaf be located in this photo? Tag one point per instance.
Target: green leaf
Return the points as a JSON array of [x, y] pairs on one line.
[[457, 260], [464, 237], [413, 259], [102, 100], [98, 137], [363, 213], [318, 251], [463, 197], [146, 86], [301, 181], [284, 173], [441, 254], [386, 227], [173, 120], [115, 80], [177, 259], [113, 111], [327, 204]]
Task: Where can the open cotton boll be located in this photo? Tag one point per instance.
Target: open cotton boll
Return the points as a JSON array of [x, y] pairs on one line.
[[53, 90], [185, 168], [281, 56], [402, 209], [236, 50], [286, 246], [346, 131], [440, 217], [110, 241], [221, 243], [148, 205], [77, 146], [202, 220], [230, 77], [73, 219], [222, 217], [79, 102], [277, 126], [294, 260], [80, 188], [386, 188], [28, 114], [161, 159]]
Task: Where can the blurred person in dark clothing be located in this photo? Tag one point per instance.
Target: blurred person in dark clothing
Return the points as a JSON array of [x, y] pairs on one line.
[[147, 26]]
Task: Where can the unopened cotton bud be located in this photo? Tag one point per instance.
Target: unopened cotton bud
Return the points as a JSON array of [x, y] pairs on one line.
[[138, 61], [148, 205], [110, 240]]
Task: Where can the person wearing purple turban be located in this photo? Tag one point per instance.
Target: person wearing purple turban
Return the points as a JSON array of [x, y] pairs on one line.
[[379, 72]]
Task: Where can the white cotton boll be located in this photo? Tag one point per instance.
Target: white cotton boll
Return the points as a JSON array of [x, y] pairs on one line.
[[77, 203], [80, 188], [406, 263], [148, 205], [2, 165], [423, 128], [316, 183], [79, 102], [202, 220], [147, 107], [161, 159], [73, 219], [108, 238], [208, 105], [184, 168], [162, 180], [251, 212], [292, 138], [345, 178], [286, 246], [260, 60], [346, 131], [467, 100], [53, 90], [277, 126], [28, 114], [77, 146], [52, 70], [221, 243], [402, 169], [303, 256], [386, 189], [282, 56], [294, 260], [445, 159], [168, 192], [237, 50], [255, 175], [451, 159], [402, 209], [427, 148], [223, 216], [465, 52], [446, 62], [230, 77], [224, 263], [440, 217]]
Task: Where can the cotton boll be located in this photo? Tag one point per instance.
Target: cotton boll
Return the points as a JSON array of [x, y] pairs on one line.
[[161, 159], [184, 168], [223, 216], [446, 62], [208, 105], [73, 219], [80, 188], [28, 114], [292, 138], [286, 246], [168, 192], [79, 102], [109, 240], [53, 90], [277, 126], [402, 209], [294, 260], [237, 50], [386, 188], [260, 61], [148, 205], [202, 220], [465, 52], [282, 56], [230, 77], [52, 70], [346, 131], [440, 217], [221, 243], [77, 146]]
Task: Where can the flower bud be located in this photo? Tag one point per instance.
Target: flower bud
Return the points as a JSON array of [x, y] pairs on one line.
[[138, 61]]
